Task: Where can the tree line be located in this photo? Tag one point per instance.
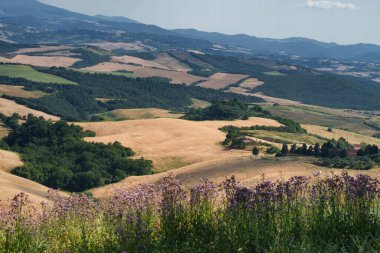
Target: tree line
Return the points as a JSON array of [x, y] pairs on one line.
[[55, 155]]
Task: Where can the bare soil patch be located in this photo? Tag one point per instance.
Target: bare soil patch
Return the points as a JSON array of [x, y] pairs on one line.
[[18, 91], [42, 61], [171, 63], [175, 76], [222, 80], [251, 83], [8, 107], [42, 49]]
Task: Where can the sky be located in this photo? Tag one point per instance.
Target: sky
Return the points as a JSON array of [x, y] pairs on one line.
[[341, 21]]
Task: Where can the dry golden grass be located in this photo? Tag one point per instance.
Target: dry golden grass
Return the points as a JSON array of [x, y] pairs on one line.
[[41, 61], [199, 104], [175, 76], [239, 90], [274, 100], [222, 80], [351, 137], [8, 107], [247, 170], [171, 63], [42, 49], [10, 185], [146, 113], [126, 59], [110, 67], [163, 140], [18, 91], [109, 46], [251, 83]]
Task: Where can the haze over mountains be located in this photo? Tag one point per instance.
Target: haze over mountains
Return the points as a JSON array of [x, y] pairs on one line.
[[29, 21]]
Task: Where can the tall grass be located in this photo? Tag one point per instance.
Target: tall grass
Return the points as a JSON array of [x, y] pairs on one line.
[[338, 213]]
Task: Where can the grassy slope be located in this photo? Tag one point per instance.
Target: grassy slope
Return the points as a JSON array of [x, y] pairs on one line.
[[327, 117], [27, 72]]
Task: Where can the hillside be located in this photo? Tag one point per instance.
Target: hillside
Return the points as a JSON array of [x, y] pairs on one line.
[[29, 21], [11, 185]]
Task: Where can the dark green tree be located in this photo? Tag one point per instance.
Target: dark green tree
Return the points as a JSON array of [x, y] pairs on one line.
[[255, 151]]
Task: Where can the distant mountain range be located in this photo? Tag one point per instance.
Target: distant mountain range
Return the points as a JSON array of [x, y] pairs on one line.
[[30, 21]]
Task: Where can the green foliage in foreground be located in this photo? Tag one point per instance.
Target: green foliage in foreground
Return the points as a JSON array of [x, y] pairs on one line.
[[225, 110], [302, 215], [55, 155]]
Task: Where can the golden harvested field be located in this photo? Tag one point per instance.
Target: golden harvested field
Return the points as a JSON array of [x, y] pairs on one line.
[[18, 91], [353, 138], [315, 115], [8, 107], [222, 80], [134, 114], [42, 49], [168, 140], [11, 185], [197, 103], [247, 171], [251, 83], [239, 90], [109, 46], [126, 59], [274, 100], [175, 76], [110, 67], [41, 61], [171, 63]]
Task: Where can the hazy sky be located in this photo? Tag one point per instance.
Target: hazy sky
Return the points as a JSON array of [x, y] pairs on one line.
[[342, 21]]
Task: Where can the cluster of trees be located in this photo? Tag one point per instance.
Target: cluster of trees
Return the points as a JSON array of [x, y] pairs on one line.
[[232, 65], [303, 84], [197, 69], [78, 102], [55, 155], [330, 149], [288, 126], [224, 110], [6, 47], [355, 163], [368, 150], [336, 154], [89, 57], [142, 55], [306, 86]]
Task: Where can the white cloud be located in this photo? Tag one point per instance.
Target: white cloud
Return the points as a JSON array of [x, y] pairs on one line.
[[329, 5]]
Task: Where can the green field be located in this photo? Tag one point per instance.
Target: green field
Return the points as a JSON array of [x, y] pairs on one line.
[[199, 103], [29, 73], [321, 116]]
